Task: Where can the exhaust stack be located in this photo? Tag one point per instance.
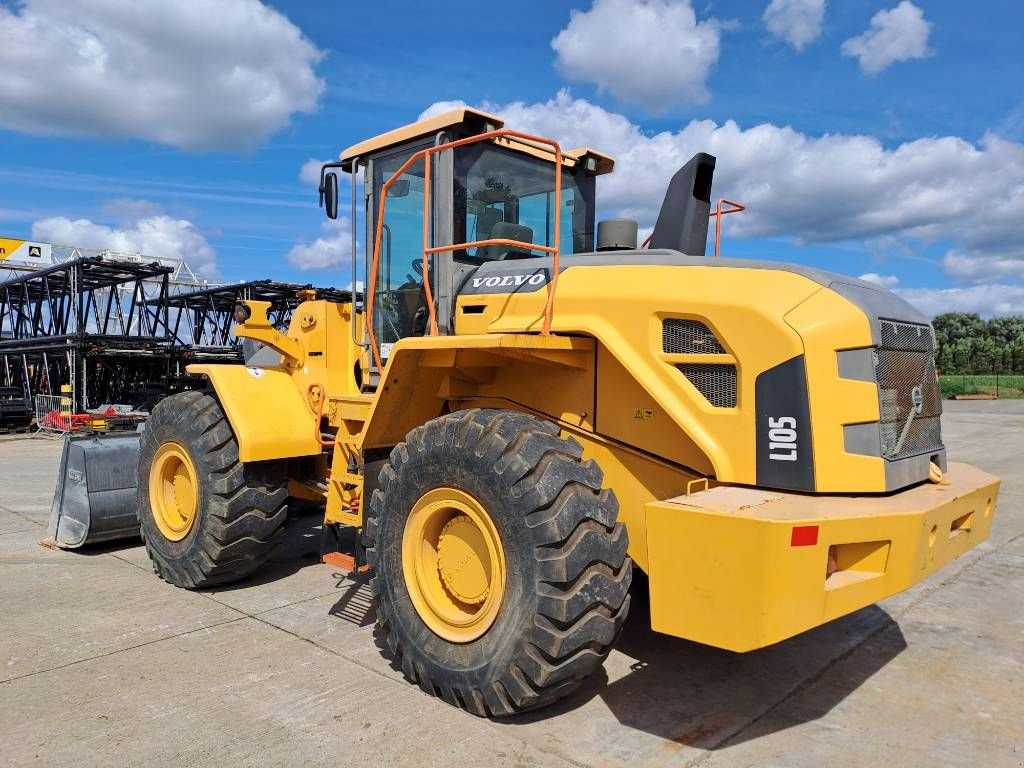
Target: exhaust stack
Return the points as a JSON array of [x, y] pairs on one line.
[[683, 221]]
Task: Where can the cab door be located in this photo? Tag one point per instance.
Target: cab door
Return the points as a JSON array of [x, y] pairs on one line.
[[400, 308]]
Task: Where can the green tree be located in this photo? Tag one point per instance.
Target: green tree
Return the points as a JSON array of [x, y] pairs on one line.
[[968, 344]]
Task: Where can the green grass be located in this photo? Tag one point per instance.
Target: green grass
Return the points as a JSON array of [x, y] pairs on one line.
[[1003, 385]]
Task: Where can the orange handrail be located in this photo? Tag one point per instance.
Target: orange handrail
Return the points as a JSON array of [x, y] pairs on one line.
[[717, 215], [425, 155]]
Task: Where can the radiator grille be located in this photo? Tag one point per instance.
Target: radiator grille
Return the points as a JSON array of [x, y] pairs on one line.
[[907, 384], [908, 336], [688, 337], [716, 382]]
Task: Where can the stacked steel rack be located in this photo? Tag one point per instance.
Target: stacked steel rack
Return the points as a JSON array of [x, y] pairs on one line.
[[95, 325], [202, 321], [102, 329]]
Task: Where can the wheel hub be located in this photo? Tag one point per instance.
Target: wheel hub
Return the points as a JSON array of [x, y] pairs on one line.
[[173, 491], [463, 560], [454, 564]]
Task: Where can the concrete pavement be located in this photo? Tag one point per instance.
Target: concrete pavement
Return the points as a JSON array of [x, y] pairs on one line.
[[103, 664]]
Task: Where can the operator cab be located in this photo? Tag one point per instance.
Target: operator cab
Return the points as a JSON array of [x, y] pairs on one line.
[[488, 200]]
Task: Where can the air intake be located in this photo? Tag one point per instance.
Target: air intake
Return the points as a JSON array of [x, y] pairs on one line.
[[682, 223], [716, 382], [688, 337]]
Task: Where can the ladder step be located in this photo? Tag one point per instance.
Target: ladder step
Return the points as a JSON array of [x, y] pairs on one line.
[[344, 561]]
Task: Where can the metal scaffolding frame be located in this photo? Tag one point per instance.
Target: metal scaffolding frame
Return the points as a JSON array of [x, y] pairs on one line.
[[117, 331], [60, 324], [202, 321], [182, 276]]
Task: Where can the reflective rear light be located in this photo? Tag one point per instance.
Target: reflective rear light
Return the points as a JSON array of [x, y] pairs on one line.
[[804, 536]]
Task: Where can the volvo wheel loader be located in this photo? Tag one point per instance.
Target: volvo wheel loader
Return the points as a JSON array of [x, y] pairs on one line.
[[522, 408]]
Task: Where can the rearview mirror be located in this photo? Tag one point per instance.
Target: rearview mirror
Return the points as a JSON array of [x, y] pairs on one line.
[[329, 194], [399, 188]]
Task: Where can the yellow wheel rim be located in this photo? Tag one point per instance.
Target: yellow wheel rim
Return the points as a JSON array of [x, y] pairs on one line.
[[173, 491], [454, 564]]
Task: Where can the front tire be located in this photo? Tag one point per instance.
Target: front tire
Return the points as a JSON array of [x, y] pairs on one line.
[[486, 503], [206, 518]]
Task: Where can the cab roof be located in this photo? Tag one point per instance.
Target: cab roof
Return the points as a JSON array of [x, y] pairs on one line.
[[470, 121]]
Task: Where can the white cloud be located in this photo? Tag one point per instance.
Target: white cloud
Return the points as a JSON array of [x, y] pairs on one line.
[[186, 73], [158, 236], [986, 300], [894, 35], [653, 53], [826, 188], [798, 22], [127, 210], [885, 281], [310, 171], [332, 249], [982, 267]]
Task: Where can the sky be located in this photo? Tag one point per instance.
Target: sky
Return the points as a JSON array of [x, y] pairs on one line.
[[873, 138]]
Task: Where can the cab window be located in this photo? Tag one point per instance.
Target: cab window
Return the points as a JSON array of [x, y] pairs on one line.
[[503, 194]]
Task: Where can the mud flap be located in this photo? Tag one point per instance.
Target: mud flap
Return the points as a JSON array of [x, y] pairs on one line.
[[95, 497]]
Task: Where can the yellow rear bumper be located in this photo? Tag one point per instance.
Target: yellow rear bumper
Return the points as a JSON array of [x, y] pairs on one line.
[[743, 568]]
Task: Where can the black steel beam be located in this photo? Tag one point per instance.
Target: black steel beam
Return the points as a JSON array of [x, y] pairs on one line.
[[205, 318]]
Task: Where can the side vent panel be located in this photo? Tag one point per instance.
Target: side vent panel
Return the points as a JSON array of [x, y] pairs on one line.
[[717, 382], [689, 337]]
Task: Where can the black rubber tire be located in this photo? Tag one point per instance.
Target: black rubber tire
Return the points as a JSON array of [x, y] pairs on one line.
[[241, 509], [568, 575]]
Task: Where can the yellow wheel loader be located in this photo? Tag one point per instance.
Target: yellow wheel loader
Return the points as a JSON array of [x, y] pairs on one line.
[[521, 407]]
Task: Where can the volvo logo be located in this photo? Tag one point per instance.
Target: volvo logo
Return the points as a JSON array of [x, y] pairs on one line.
[[508, 280], [917, 398]]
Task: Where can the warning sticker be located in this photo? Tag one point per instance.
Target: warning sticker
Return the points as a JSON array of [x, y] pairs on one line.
[[24, 252], [8, 247]]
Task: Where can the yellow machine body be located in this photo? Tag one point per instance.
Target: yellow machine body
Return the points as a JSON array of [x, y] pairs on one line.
[[727, 550], [743, 568]]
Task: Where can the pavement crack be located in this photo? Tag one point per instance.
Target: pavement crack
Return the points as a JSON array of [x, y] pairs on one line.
[[291, 604], [23, 517], [116, 651], [327, 649]]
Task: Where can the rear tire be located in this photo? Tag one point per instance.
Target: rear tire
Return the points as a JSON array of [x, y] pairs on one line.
[[566, 574], [234, 511]]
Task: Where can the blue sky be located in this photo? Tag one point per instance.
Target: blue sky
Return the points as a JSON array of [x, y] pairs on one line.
[[869, 137]]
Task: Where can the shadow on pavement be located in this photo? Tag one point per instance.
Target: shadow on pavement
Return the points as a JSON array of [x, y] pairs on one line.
[[705, 697], [299, 548], [102, 548], [356, 602], [684, 692]]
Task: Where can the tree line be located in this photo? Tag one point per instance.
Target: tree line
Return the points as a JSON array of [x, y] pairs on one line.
[[968, 344]]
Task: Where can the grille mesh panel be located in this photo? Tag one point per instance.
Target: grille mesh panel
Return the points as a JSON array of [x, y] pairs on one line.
[[688, 337], [716, 382], [910, 336], [905, 370]]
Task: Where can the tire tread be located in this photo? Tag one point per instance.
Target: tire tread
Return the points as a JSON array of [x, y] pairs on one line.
[[246, 504], [579, 547]]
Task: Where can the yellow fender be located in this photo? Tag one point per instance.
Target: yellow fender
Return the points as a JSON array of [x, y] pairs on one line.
[[267, 412]]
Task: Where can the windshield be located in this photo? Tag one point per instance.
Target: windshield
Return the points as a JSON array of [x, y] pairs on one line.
[[501, 193], [498, 193]]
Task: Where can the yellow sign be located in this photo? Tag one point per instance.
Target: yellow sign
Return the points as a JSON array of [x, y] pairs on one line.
[[9, 246], [643, 414]]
